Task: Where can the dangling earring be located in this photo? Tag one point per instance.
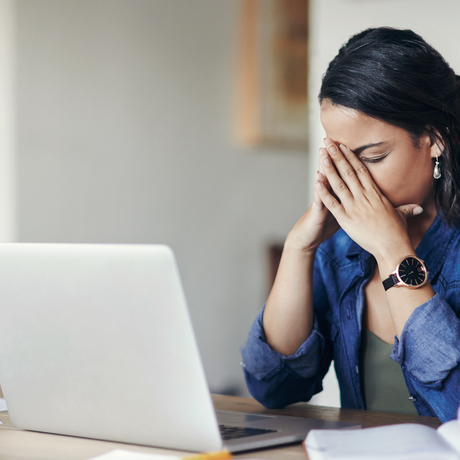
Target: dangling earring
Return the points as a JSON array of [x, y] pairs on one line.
[[437, 169]]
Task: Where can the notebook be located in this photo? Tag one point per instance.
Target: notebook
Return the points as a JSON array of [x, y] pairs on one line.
[[97, 341]]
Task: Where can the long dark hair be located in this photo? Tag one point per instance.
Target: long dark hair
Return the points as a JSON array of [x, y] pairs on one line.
[[393, 75]]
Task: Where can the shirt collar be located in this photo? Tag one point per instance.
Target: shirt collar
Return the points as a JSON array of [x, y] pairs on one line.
[[354, 250], [436, 244]]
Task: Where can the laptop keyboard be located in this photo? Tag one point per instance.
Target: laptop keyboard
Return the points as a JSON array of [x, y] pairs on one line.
[[233, 432]]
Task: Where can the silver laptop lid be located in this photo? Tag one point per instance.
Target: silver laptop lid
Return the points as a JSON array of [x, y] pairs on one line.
[[97, 342]]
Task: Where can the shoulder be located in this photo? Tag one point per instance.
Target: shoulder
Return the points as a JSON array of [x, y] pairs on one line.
[[441, 252]]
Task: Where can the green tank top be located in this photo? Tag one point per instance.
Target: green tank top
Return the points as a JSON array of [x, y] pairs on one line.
[[383, 382]]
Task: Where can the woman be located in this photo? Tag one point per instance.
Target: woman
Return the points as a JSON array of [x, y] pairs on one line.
[[372, 268]]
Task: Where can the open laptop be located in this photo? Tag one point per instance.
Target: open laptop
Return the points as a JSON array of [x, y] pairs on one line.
[[96, 341]]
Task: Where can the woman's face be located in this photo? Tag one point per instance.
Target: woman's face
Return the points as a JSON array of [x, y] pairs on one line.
[[403, 172]]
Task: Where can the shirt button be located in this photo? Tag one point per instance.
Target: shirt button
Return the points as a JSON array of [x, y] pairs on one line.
[[411, 398], [242, 364]]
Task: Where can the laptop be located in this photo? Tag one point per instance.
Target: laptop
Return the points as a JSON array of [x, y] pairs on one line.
[[96, 341]]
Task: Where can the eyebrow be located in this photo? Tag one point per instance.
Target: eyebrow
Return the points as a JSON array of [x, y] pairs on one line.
[[361, 149]]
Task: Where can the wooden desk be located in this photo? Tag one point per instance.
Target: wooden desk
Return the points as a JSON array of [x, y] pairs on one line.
[[27, 445], [366, 418]]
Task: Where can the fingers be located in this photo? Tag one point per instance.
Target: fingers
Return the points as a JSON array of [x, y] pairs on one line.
[[338, 172], [410, 210], [321, 169], [344, 171], [322, 178], [360, 170], [331, 203], [316, 199], [323, 189], [346, 177]]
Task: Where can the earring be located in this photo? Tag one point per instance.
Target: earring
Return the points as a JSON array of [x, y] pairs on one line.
[[437, 169]]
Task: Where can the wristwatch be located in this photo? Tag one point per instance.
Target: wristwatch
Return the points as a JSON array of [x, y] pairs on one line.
[[411, 272]]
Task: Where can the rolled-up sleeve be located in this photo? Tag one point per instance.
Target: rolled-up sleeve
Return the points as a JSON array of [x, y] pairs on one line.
[[262, 362], [429, 349], [276, 380]]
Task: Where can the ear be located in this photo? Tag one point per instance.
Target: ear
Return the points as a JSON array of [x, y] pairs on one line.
[[436, 142]]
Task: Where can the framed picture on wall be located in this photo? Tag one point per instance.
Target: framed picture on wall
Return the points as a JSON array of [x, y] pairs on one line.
[[273, 68]]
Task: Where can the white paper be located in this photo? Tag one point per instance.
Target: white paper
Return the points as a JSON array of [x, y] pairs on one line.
[[450, 431], [3, 407], [121, 454], [408, 441]]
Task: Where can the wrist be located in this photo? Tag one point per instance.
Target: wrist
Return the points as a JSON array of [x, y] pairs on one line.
[[296, 245], [388, 260]]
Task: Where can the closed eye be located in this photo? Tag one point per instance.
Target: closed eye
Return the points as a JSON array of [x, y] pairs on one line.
[[374, 159]]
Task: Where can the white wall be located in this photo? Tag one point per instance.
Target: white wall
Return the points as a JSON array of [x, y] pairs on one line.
[[126, 134], [7, 120]]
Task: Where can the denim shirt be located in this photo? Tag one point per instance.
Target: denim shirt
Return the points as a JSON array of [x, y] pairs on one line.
[[428, 349]]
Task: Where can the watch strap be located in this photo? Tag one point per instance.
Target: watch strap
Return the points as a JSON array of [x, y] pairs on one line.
[[390, 282]]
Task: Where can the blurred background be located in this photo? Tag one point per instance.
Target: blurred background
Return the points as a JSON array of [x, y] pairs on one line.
[[147, 121]]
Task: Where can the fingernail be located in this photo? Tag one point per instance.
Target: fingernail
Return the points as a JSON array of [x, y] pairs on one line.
[[416, 211], [326, 161], [333, 149], [344, 149], [319, 185]]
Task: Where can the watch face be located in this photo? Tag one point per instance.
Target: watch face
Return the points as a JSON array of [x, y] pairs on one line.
[[412, 272]]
